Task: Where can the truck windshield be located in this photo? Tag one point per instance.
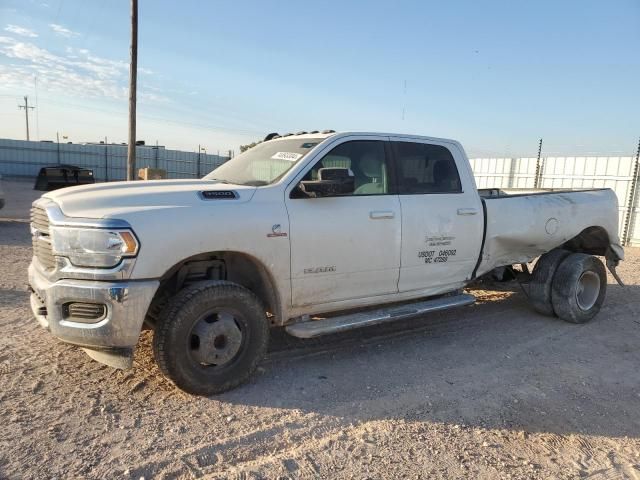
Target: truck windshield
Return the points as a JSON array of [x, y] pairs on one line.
[[265, 163]]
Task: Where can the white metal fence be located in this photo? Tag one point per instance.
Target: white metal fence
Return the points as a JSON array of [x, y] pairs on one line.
[[109, 162], [617, 173]]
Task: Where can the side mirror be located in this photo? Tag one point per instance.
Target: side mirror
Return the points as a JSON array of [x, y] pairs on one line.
[[331, 181]]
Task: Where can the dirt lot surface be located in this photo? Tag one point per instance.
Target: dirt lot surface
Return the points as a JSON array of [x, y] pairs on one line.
[[18, 195], [489, 391]]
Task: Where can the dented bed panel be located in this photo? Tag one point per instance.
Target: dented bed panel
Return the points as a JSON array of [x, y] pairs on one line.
[[521, 227]]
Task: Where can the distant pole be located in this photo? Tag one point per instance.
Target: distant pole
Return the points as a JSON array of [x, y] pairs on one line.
[[58, 143], [538, 166], [106, 160], [539, 149], [198, 166], [133, 70], [26, 113], [626, 231]]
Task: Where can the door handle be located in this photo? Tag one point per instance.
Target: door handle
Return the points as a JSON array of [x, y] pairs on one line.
[[467, 211], [381, 214]]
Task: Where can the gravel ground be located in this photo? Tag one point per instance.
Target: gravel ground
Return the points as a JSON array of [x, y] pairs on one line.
[[18, 195], [489, 391]]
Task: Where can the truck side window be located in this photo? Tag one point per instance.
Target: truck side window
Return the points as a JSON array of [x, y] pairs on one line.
[[365, 158], [424, 168]]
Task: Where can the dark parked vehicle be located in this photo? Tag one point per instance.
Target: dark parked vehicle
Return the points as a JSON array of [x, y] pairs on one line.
[[60, 176]]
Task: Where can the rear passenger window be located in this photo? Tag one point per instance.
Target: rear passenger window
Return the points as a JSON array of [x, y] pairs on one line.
[[424, 168]]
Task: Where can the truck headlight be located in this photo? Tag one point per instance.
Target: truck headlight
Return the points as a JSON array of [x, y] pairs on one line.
[[93, 247]]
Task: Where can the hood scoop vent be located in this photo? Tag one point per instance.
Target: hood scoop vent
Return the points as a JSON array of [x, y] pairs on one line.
[[218, 195]]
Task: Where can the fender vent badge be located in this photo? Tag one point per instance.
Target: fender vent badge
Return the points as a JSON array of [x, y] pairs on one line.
[[218, 195]]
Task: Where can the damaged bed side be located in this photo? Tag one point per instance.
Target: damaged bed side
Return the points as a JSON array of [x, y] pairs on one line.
[[521, 225]]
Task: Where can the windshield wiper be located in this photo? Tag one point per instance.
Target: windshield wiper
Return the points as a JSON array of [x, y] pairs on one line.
[[218, 180]]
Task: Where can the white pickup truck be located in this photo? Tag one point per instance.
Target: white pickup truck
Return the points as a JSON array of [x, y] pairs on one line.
[[316, 232]]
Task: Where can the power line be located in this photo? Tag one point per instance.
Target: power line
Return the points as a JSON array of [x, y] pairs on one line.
[[199, 125], [58, 12]]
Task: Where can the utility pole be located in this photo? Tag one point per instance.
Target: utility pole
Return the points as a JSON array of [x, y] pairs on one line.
[[133, 73], [26, 113]]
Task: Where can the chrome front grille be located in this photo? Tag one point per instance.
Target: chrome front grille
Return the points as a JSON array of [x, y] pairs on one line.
[[40, 237]]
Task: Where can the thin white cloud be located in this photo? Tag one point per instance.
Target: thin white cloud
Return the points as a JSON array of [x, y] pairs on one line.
[[62, 31], [77, 72], [24, 32]]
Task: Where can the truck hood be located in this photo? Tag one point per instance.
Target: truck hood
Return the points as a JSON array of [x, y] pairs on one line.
[[108, 200]]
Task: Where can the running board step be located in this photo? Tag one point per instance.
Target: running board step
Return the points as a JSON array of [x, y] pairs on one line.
[[316, 328]]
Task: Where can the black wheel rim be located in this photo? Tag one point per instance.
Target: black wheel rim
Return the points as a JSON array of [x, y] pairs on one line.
[[216, 338]]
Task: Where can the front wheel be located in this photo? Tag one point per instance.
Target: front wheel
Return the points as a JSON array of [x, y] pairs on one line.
[[210, 337], [579, 287]]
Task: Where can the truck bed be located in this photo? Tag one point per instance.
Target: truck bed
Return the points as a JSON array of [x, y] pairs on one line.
[[521, 224]]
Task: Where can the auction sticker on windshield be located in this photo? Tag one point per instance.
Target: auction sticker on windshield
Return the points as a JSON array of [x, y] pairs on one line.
[[291, 156]]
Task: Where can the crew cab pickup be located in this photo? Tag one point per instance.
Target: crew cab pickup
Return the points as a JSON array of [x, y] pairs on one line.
[[313, 232]]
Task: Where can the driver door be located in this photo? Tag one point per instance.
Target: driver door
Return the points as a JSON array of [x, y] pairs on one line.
[[347, 246]]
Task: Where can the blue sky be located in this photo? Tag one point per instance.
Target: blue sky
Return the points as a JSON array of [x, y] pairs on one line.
[[497, 75]]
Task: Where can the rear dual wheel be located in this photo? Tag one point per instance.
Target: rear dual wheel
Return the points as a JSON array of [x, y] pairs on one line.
[[579, 288], [571, 286], [542, 279]]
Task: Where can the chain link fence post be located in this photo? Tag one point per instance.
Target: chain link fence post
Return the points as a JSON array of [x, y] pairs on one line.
[[538, 179], [631, 203]]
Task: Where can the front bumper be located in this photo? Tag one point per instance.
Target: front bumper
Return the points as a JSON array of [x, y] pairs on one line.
[[126, 304]]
